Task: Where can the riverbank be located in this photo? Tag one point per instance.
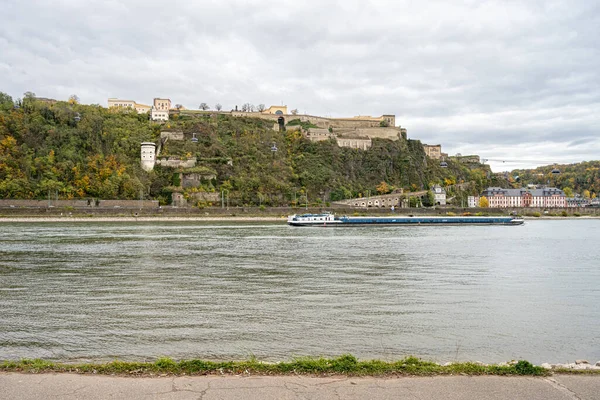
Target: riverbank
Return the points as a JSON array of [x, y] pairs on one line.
[[224, 218], [345, 365], [143, 219]]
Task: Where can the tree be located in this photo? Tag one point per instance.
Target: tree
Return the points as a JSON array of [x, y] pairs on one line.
[[73, 99], [218, 107], [568, 191], [383, 188], [203, 106], [586, 194], [6, 102], [294, 111], [261, 107], [178, 106], [483, 202], [429, 199]]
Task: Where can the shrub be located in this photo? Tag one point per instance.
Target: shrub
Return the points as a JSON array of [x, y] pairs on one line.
[[524, 367], [536, 214], [576, 214], [564, 213]]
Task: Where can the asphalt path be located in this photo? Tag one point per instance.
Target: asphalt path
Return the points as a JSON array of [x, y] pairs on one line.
[[71, 386]]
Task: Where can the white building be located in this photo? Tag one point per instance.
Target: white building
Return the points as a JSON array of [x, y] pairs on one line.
[[439, 194], [148, 156], [473, 201], [159, 115]]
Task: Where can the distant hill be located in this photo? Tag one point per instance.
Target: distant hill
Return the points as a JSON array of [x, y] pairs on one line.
[[582, 178], [69, 150]]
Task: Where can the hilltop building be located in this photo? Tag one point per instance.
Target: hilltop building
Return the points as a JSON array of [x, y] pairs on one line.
[[433, 150], [117, 103], [278, 110], [159, 111]]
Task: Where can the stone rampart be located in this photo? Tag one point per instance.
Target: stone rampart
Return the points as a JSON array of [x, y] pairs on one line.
[[176, 162], [318, 134], [171, 135], [355, 143], [380, 133]]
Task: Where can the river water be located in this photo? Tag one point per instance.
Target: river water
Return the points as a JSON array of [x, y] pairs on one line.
[[137, 291]]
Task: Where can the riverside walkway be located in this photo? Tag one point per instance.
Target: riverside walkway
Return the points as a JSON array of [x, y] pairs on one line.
[[94, 387]]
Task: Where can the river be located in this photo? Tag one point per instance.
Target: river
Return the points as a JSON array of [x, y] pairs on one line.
[[137, 291]]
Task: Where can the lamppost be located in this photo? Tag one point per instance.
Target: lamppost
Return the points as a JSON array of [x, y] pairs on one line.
[[260, 199], [223, 198]]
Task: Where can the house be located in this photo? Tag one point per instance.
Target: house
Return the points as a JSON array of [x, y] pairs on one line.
[[439, 195], [473, 201], [159, 115]]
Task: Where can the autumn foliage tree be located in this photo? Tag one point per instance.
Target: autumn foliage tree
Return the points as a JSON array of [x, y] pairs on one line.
[[484, 202]]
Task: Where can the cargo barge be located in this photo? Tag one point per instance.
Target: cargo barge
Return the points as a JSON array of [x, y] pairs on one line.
[[330, 220]]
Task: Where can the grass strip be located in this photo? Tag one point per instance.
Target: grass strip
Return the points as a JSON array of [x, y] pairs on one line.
[[343, 365]]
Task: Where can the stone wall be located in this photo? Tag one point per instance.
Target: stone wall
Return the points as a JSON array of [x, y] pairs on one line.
[[86, 203], [194, 179], [206, 196], [176, 162], [380, 133], [319, 134], [171, 135], [355, 143]]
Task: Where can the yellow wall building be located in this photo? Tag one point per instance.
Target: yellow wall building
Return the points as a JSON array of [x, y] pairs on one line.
[[282, 110]]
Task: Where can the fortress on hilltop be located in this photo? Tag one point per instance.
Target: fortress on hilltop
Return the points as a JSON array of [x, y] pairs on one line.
[[355, 132]]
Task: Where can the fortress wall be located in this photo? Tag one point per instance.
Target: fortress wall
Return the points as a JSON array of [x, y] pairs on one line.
[[381, 133], [171, 135], [353, 123], [174, 162], [319, 134]]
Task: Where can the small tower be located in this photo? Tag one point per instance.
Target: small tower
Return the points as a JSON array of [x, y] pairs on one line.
[[148, 156]]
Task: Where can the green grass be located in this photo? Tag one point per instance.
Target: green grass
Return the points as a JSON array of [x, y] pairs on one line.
[[343, 365]]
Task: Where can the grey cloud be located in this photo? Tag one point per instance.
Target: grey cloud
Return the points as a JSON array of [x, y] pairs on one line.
[[483, 77]]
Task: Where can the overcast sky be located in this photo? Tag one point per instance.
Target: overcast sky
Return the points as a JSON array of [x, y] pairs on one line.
[[510, 80]]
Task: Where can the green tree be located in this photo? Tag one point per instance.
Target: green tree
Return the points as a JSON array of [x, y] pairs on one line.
[[568, 191]]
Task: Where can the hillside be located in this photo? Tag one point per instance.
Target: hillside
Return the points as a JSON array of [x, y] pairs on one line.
[[582, 178], [70, 150]]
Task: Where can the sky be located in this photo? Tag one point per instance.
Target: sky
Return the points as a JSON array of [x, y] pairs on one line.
[[517, 82]]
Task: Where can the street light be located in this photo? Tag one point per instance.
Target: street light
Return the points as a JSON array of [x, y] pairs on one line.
[[223, 198]]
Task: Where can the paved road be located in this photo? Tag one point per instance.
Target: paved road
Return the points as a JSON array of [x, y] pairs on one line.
[[68, 386]]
